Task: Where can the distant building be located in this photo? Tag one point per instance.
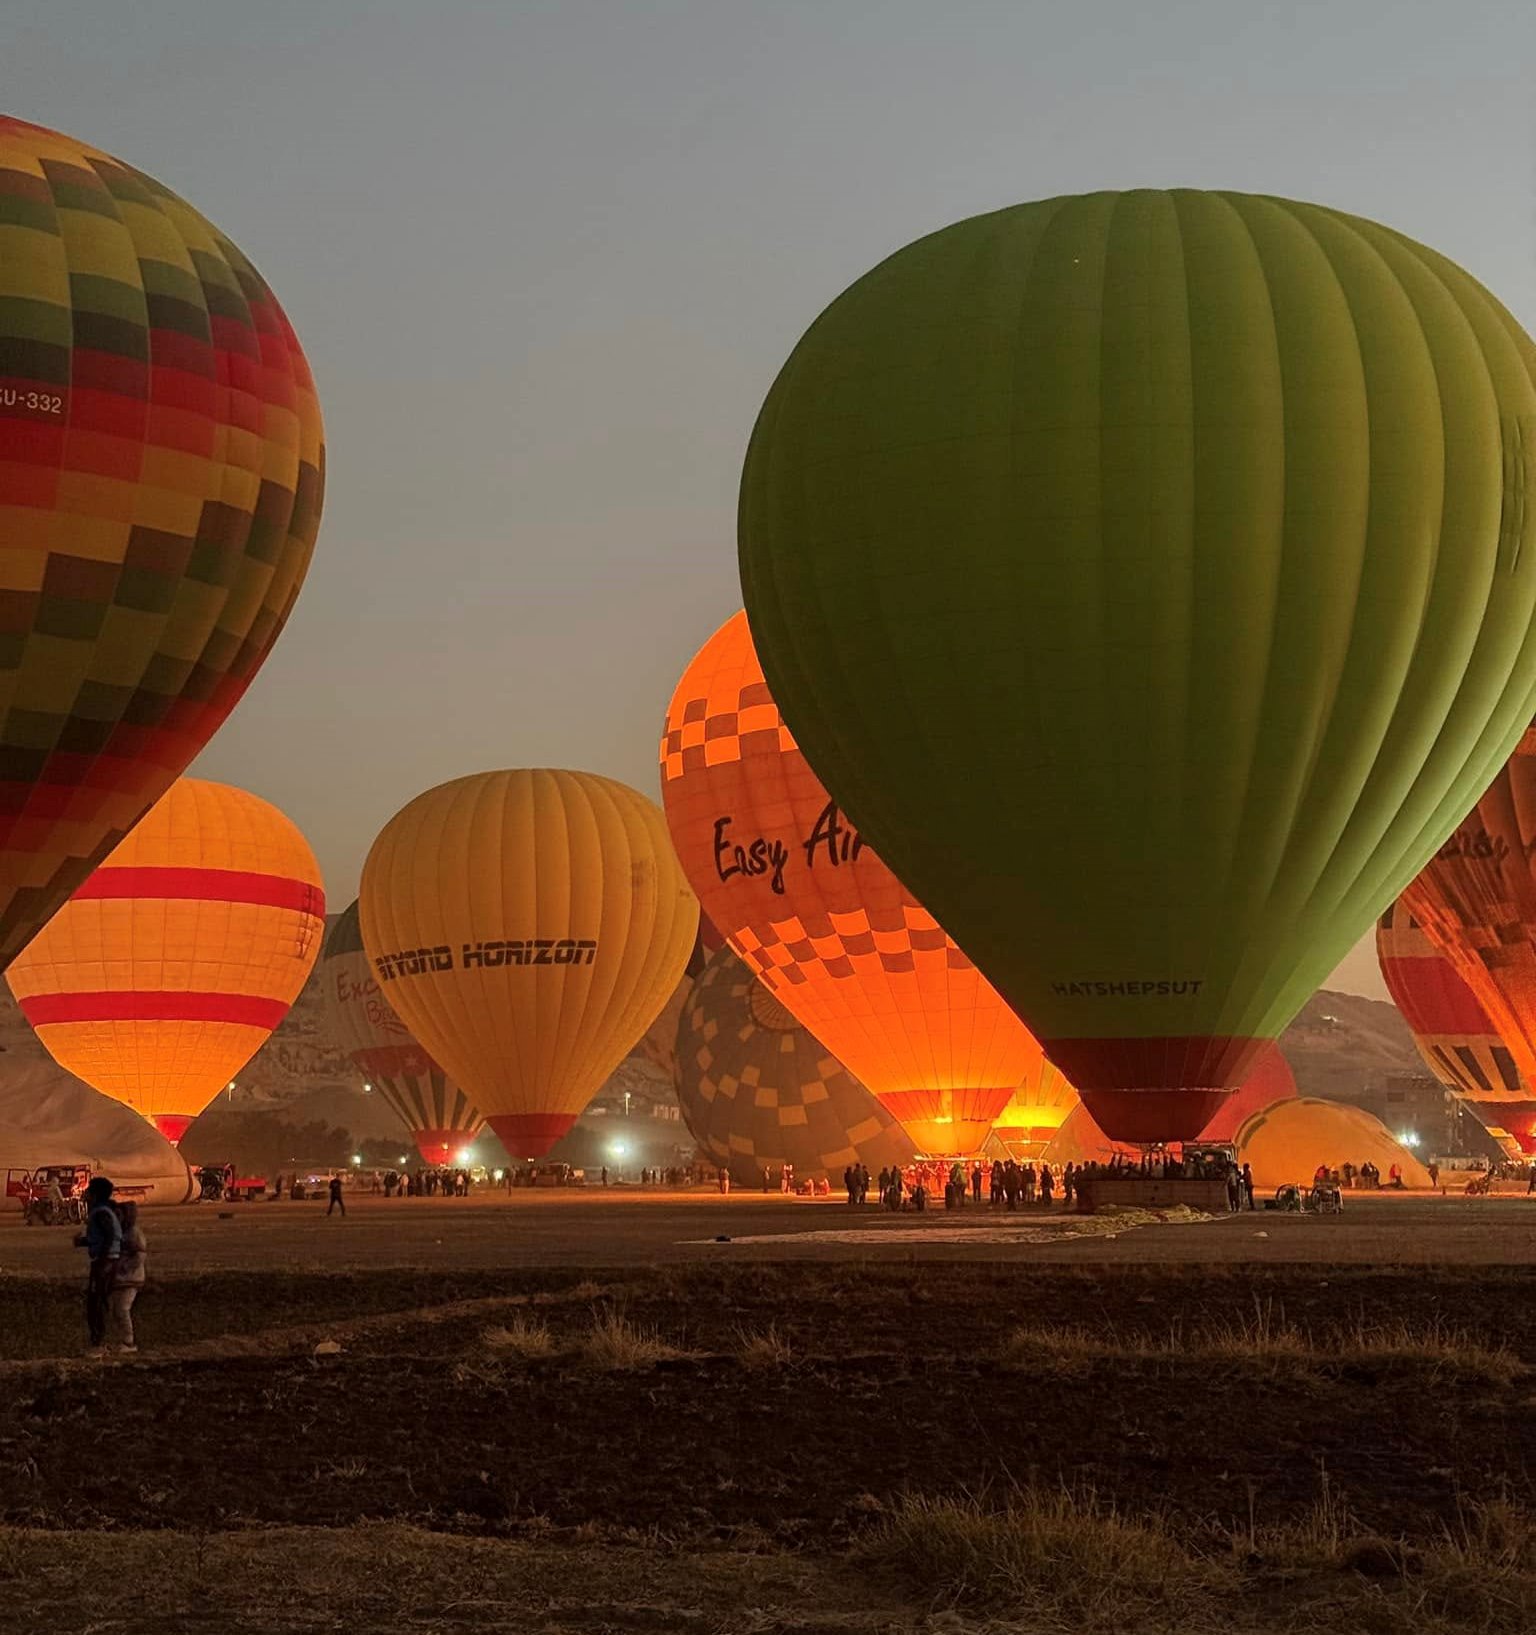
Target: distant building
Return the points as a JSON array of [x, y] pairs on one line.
[[1425, 1116]]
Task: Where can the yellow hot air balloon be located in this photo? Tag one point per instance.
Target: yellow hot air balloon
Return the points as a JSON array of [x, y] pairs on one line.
[[165, 972], [527, 926]]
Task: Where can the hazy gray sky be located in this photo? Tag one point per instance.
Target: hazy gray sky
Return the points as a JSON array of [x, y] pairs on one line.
[[547, 257]]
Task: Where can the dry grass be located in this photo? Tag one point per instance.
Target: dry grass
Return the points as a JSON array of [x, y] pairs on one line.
[[613, 1342], [1079, 1564], [1265, 1336], [763, 1348], [524, 1338], [1068, 1561], [380, 1576]]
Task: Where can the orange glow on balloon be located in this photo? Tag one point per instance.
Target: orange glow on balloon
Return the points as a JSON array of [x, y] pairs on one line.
[[826, 926]]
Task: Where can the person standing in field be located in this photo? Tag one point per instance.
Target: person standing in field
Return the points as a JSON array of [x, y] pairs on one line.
[[102, 1241], [128, 1279], [337, 1202]]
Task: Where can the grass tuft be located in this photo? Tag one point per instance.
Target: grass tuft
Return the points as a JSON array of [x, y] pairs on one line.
[[1265, 1336], [524, 1338], [763, 1348], [613, 1342], [1082, 1565], [1070, 1560]]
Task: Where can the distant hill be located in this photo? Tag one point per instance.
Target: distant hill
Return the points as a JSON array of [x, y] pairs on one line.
[[1337, 1046], [1341, 1042]]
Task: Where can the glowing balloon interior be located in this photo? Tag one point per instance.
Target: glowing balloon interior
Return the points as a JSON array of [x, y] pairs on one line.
[[816, 915]]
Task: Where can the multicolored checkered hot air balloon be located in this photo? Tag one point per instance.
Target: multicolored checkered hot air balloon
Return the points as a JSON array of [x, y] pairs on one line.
[[758, 1090], [819, 918], [438, 1114], [161, 469], [1459, 1044], [166, 971]]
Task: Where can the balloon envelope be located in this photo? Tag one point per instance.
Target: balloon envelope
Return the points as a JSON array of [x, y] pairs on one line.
[[1287, 1141], [168, 969], [439, 1116], [758, 1090], [161, 468], [829, 930], [1460, 1046], [527, 926], [1035, 1112], [1149, 576]]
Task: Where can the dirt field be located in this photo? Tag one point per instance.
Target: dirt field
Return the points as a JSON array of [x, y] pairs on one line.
[[469, 1394], [637, 1228]]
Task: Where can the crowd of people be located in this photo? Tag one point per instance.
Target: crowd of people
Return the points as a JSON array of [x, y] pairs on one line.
[[1011, 1184], [427, 1183]]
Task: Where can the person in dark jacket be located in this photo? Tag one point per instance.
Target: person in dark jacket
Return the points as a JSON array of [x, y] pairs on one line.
[[102, 1241], [337, 1202]]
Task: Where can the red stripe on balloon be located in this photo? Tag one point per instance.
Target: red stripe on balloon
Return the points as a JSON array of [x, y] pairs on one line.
[[249, 1010], [203, 885]]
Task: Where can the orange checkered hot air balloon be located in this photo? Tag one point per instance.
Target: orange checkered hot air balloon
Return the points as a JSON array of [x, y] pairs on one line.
[[821, 920], [166, 971]]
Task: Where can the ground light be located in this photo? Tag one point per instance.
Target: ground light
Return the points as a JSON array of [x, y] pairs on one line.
[[618, 1150]]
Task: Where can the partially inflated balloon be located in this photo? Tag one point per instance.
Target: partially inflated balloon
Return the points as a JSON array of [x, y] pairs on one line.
[[1035, 1111], [161, 466], [829, 930], [439, 1116], [1150, 576], [527, 926], [759, 1091], [166, 971], [1460, 1046]]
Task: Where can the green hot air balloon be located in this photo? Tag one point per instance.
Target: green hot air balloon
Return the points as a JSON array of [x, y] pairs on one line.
[[1150, 577]]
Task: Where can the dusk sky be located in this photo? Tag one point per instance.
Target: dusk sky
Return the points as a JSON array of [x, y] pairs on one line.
[[546, 259]]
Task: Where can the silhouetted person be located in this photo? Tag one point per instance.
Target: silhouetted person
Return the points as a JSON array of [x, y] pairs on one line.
[[102, 1241], [337, 1201]]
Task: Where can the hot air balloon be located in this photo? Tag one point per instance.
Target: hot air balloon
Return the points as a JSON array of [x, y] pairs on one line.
[[1460, 1046], [1287, 1141], [1149, 576], [758, 1090], [439, 1116], [161, 468], [1270, 1080], [527, 926], [1034, 1112], [819, 918], [166, 971]]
